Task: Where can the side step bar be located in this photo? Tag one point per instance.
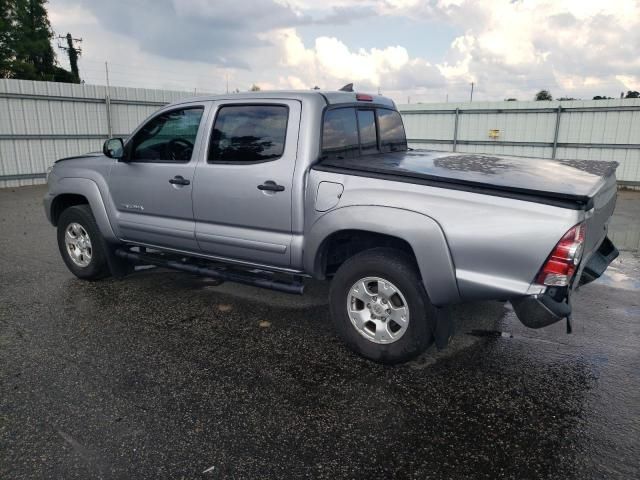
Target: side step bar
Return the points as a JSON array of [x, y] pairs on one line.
[[265, 280]]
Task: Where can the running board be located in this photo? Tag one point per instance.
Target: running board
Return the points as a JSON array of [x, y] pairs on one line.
[[261, 280]]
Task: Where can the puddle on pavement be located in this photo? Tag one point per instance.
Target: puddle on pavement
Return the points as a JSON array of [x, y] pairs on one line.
[[626, 237], [489, 333], [623, 273]]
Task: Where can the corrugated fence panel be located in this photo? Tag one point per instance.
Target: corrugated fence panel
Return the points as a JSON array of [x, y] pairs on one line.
[[41, 122], [586, 130], [438, 126]]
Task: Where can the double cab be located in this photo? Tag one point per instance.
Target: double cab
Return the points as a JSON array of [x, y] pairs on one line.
[[271, 188]]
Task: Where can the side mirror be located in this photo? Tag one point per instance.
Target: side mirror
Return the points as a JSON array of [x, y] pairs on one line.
[[113, 148]]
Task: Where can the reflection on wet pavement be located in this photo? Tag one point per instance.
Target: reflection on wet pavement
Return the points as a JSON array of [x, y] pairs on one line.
[[163, 375], [623, 273], [624, 229]]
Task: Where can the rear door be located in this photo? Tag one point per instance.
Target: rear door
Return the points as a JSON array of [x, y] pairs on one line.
[[242, 190], [151, 189]]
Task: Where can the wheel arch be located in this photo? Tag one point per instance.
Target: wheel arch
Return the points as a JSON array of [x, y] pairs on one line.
[[366, 227], [63, 201], [79, 191]]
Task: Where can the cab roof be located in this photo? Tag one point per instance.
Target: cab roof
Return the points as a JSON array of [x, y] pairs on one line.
[[328, 97]]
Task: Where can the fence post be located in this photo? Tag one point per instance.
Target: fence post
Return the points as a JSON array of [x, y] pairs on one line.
[[107, 101], [455, 131], [555, 135]]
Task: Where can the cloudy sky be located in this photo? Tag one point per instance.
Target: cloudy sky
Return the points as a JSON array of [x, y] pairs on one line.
[[427, 50]]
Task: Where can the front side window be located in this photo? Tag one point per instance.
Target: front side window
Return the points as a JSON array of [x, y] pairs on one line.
[[169, 137], [340, 134], [248, 133], [392, 136]]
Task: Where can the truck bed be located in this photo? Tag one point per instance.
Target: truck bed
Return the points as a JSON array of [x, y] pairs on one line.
[[568, 183]]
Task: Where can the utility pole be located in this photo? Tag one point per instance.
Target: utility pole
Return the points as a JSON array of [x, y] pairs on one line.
[[227, 76], [72, 52], [471, 100]]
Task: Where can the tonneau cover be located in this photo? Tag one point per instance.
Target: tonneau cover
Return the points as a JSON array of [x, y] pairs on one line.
[[568, 183]]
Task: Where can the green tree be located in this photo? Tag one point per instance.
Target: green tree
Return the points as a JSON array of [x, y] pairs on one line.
[[34, 56], [543, 95], [254, 88], [6, 38], [602, 97], [632, 94], [25, 43]]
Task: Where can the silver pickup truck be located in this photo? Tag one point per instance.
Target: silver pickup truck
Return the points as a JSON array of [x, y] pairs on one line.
[[268, 188]]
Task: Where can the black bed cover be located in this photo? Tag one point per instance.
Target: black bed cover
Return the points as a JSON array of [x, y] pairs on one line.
[[566, 183]]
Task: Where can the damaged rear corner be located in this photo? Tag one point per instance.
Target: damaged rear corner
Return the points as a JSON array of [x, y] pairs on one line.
[[537, 311]]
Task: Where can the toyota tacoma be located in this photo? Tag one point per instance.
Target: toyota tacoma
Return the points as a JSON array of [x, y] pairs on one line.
[[270, 188]]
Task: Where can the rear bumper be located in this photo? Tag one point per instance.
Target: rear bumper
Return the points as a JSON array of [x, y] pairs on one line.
[[537, 311]]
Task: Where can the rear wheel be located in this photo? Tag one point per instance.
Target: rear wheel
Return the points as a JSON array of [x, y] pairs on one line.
[[380, 308], [81, 244]]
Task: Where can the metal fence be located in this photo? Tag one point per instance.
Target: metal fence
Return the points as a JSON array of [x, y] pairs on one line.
[[587, 130], [42, 121]]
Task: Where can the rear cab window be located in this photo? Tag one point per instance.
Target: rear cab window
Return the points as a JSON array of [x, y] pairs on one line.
[[392, 135], [349, 132]]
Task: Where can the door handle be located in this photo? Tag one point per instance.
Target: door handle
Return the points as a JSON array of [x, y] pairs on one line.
[[179, 180], [271, 186]]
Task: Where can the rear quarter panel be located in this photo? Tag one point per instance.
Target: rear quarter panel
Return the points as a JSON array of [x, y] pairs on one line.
[[495, 245]]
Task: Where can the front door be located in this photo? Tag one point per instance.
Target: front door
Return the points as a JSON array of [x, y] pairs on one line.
[[242, 191], [151, 186]]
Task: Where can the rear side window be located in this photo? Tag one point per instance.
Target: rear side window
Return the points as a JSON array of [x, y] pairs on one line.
[[367, 128], [248, 133], [340, 134], [392, 136]]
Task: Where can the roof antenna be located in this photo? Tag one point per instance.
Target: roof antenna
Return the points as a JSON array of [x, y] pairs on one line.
[[347, 88]]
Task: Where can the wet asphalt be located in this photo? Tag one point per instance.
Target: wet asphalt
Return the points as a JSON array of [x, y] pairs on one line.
[[163, 375]]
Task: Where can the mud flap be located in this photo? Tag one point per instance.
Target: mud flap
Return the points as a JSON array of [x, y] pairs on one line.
[[119, 267], [444, 327]]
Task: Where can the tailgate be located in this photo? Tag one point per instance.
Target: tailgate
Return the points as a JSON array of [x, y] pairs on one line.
[[597, 219]]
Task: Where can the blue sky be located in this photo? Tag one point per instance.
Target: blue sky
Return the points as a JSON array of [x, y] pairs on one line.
[[426, 50]]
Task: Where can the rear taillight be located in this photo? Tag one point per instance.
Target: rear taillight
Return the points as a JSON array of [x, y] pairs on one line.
[[561, 265], [363, 97]]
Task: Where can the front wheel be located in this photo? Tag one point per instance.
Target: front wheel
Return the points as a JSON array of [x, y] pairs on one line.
[[379, 306], [81, 244]]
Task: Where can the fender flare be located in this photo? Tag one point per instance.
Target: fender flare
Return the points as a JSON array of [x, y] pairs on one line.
[[421, 232], [88, 189]]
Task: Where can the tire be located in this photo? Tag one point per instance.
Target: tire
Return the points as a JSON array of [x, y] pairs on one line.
[[90, 263], [390, 279]]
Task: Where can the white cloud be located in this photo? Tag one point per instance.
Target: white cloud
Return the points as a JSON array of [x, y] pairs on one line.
[[508, 48], [579, 47]]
